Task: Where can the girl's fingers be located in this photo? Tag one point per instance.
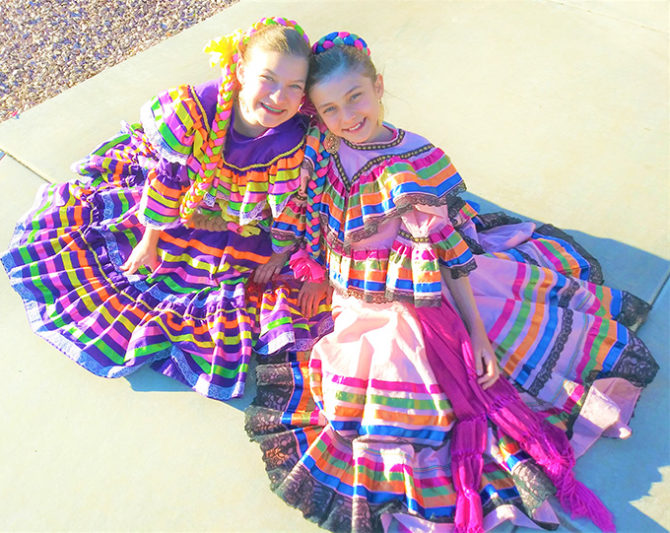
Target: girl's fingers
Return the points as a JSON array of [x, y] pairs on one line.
[[259, 275], [492, 367], [486, 381], [310, 306], [495, 371], [302, 301], [129, 267], [492, 374], [479, 368]]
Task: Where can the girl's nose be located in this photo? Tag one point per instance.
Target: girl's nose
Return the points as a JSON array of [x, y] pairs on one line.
[[278, 95], [348, 114]]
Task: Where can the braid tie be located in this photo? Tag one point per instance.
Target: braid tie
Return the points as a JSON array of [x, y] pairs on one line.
[[343, 38], [224, 52]]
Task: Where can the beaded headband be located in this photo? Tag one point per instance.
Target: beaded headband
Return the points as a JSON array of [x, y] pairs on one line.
[[342, 38]]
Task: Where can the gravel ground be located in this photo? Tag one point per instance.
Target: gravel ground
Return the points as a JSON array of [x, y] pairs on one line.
[[50, 45]]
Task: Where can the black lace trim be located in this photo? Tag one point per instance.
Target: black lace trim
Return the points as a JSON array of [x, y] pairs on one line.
[[326, 507], [294, 483], [455, 207], [634, 311], [463, 270], [527, 259], [568, 292], [348, 182], [488, 221], [595, 270], [636, 364], [398, 137], [548, 367], [533, 485], [474, 246]]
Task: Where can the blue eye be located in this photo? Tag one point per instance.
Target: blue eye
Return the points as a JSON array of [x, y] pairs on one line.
[[329, 109]]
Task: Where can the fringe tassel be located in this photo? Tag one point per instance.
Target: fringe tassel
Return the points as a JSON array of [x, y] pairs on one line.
[[581, 502], [467, 449]]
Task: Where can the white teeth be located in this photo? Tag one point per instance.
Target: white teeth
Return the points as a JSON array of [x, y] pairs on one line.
[[271, 109], [356, 127]]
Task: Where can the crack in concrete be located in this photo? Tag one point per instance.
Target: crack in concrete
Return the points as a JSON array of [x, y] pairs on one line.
[[601, 14], [660, 288], [25, 165]]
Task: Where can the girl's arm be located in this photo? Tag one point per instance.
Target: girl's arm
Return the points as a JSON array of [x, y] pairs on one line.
[[145, 253], [486, 364]]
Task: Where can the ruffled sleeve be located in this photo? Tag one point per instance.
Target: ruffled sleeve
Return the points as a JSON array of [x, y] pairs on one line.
[[174, 126], [173, 123], [163, 189]]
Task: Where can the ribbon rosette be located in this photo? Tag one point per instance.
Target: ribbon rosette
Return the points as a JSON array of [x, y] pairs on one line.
[[305, 268], [222, 50]]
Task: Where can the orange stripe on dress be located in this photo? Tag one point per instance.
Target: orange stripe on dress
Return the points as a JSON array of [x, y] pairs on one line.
[[170, 193], [573, 264], [304, 398], [216, 252], [207, 325], [606, 345], [532, 332], [120, 307]]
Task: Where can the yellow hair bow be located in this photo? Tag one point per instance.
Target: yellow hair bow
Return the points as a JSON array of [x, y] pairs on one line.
[[222, 50]]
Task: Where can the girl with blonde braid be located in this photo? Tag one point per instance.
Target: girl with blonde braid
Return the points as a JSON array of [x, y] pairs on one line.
[[400, 419], [147, 258]]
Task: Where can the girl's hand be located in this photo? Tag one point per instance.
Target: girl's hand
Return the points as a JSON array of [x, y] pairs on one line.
[[264, 273], [145, 253], [486, 364], [311, 294]]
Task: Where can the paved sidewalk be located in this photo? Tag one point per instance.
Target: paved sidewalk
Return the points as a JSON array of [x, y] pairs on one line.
[[555, 110]]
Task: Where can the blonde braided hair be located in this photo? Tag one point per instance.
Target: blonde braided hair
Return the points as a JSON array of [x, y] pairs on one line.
[[224, 52]]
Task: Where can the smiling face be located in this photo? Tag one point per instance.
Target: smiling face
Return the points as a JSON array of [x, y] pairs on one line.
[[349, 103], [272, 89]]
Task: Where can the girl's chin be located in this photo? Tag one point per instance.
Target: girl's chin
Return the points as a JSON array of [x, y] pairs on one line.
[[366, 134], [359, 137]]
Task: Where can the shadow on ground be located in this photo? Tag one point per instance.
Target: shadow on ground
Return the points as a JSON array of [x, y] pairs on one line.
[[148, 380]]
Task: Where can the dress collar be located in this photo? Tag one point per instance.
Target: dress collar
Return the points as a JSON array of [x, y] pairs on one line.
[[396, 138]]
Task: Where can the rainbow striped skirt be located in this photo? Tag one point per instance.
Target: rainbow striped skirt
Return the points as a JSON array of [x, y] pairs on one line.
[[357, 433], [197, 319]]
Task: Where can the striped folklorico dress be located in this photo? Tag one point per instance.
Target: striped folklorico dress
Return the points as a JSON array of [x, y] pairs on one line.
[[198, 317], [381, 426]]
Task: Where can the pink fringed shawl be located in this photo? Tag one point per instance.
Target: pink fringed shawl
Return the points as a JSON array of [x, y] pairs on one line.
[[450, 355]]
